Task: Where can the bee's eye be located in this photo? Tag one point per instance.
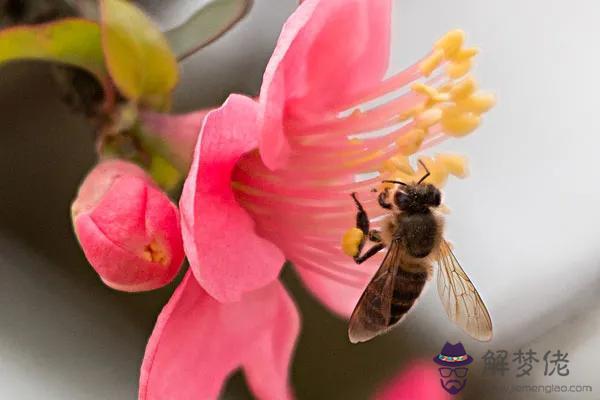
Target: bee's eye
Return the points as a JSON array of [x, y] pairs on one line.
[[402, 200]]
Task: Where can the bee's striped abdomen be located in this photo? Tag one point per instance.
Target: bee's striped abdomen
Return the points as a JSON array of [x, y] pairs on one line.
[[407, 289], [387, 298]]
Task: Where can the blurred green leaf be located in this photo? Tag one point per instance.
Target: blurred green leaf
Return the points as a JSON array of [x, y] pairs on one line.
[[138, 56], [71, 41], [205, 25], [164, 173]]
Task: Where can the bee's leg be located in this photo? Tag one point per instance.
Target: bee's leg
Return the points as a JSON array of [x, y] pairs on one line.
[[382, 199], [362, 220], [370, 253], [362, 223]]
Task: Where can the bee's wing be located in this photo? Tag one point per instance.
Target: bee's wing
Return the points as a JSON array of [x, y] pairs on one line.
[[372, 314], [460, 298]]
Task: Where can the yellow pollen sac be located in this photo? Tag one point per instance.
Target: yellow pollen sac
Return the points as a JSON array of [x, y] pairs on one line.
[[408, 144], [431, 63], [397, 163], [428, 118], [430, 92], [465, 54], [438, 172], [440, 167], [351, 240], [454, 163], [446, 87], [463, 89], [457, 69], [153, 252], [458, 123], [478, 102], [451, 42]]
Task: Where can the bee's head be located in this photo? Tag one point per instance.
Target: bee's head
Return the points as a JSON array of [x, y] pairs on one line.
[[417, 198]]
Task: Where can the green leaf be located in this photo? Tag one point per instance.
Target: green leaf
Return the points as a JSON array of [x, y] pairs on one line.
[[206, 25], [164, 173], [72, 41], [138, 56]]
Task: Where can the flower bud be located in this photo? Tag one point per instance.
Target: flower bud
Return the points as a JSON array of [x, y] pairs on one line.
[[127, 227]]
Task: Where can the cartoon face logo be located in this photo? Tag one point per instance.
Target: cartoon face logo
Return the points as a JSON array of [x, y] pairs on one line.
[[453, 360]]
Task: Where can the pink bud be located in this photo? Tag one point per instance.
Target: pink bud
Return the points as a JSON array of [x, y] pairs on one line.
[[127, 227]]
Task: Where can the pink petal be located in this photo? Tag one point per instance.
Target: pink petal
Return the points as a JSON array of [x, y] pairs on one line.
[[338, 296], [267, 363], [421, 381], [328, 51], [226, 255], [128, 229], [197, 342]]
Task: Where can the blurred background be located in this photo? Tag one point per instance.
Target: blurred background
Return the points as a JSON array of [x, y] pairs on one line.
[[524, 224]]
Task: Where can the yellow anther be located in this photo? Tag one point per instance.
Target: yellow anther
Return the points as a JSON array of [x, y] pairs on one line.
[[463, 88], [147, 255], [454, 163], [153, 252], [351, 241], [465, 54], [398, 164], [408, 144], [446, 87], [428, 118], [410, 113], [430, 92], [438, 172], [451, 42], [478, 103], [457, 69], [458, 123], [430, 64]]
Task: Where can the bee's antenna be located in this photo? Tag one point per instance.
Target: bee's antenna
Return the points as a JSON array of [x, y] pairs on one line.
[[396, 182], [426, 170]]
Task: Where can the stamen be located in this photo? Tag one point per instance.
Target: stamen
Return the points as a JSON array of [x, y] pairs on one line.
[[305, 208], [154, 252], [431, 63], [410, 142], [450, 43]]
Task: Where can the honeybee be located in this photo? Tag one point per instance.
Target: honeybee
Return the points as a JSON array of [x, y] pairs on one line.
[[413, 236]]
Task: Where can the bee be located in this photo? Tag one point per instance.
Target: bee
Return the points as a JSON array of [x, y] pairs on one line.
[[413, 236]]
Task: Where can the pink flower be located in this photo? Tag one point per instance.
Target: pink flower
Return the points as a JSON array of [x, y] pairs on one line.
[[271, 181], [421, 381], [128, 229], [317, 142]]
